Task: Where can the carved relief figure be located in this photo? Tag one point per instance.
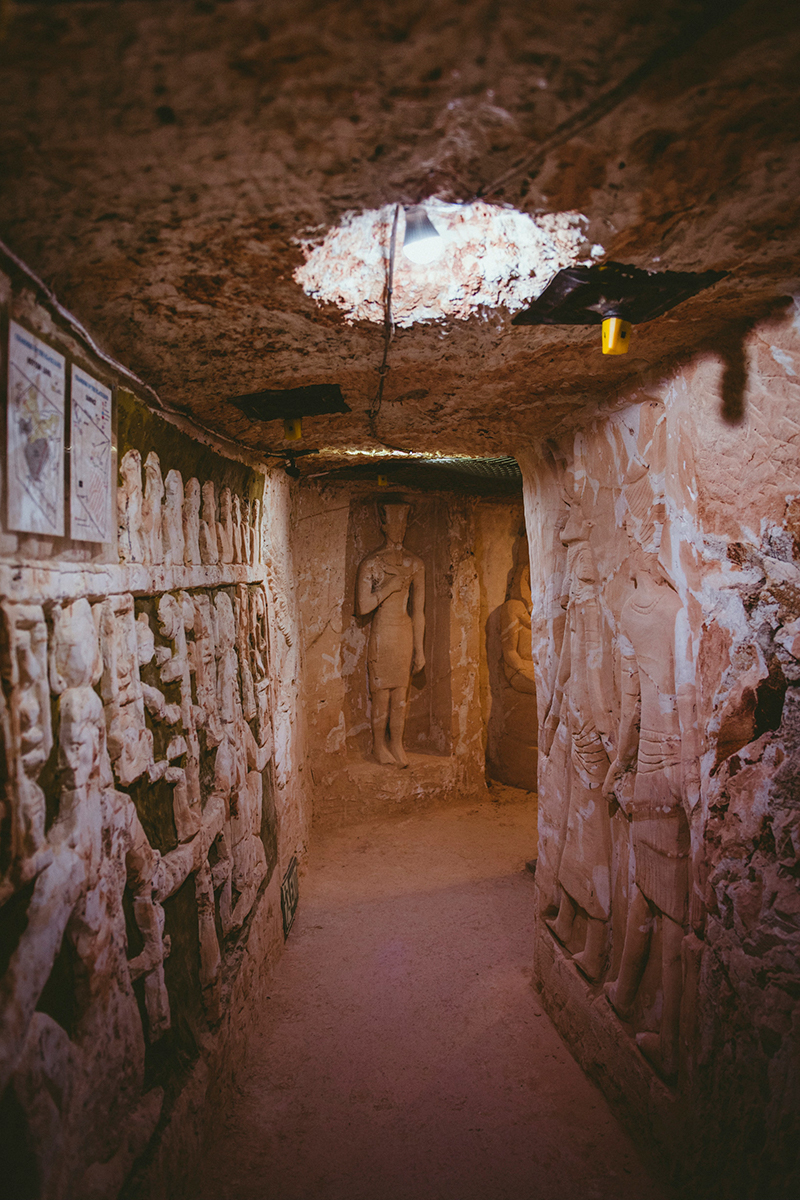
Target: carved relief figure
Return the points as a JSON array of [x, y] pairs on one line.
[[391, 584], [152, 516], [580, 701], [130, 742], [656, 740], [225, 526], [255, 532], [209, 549], [173, 519], [191, 523], [512, 751], [129, 508], [238, 549], [27, 734]]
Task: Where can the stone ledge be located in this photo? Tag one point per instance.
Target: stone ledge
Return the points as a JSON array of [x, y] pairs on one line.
[[41, 582], [357, 789], [655, 1116]]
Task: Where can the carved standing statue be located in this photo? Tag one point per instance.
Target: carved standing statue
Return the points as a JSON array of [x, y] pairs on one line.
[[391, 584], [581, 702], [512, 749], [657, 741]]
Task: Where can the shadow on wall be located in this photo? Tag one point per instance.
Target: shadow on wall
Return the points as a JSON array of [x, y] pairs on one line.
[[511, 749]]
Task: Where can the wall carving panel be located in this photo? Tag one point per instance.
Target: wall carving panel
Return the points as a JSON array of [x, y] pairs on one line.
[[125, 686]]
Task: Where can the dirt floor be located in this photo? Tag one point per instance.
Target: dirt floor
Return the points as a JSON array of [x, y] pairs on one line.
[[403, 1054]]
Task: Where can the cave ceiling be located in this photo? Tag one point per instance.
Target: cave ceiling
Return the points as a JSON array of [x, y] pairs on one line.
[[163, 160]]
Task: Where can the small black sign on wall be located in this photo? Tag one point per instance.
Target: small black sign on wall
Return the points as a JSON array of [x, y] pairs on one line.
[[290, 894]]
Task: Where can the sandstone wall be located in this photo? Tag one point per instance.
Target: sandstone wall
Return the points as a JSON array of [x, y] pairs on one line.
[[701, 507], [336, 526], [153, 765]]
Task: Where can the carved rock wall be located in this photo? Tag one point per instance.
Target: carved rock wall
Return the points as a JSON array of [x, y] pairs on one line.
[[153, 795], [665, 552], [337, 524]]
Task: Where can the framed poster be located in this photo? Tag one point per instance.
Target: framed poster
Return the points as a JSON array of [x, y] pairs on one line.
[[90, 498], [35, 437]]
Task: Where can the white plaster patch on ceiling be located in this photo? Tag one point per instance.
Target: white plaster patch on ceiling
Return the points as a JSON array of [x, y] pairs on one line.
[[491, 257]]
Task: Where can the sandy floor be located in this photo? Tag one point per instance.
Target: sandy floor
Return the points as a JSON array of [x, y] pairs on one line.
[[403, 1054]]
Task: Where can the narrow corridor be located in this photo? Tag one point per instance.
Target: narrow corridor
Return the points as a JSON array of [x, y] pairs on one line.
[[403, 1054]]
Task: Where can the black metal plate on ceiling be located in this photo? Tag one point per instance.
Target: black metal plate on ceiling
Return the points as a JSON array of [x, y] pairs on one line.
[[587, 295], [315, 400]]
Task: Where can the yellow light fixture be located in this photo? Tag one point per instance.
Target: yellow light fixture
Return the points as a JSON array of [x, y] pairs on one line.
[[292, 429], [616, 335]]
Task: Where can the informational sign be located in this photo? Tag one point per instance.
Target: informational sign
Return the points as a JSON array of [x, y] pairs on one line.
[[35, 441], [90, 459]]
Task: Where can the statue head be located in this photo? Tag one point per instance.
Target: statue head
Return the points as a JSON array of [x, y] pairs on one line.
[[81, 736], [394, 519]]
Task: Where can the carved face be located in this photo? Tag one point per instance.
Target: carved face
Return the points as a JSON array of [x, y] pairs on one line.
[[395, 520], [78, 750]]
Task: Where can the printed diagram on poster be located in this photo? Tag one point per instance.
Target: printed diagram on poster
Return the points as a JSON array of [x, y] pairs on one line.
[[90, 459], [35, 442]]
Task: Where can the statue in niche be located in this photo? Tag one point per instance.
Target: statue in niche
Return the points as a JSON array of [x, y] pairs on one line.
[[129, 508], [27, 735], [390, 582], [152, 515], [225, 526], [191, 523], [657, 741], [512, 751], [173, 519], [209, 548], [581, 703]]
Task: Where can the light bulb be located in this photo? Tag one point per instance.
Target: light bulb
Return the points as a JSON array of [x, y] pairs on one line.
[[422, 242]]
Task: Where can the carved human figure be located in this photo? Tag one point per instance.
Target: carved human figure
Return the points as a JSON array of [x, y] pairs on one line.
[[259, 649], [512, 748], [391, 581], [191, 523], [130, 742], [202, 651], [580, 701], [255, 532], [243, 631], [172, 527], [238, 548], [27, 734], [246, 539], [152, 514], [209, 548], [225, 539], [657, 741], [129, 508]]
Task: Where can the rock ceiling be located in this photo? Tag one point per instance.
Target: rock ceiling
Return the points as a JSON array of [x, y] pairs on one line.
[[162, 160]]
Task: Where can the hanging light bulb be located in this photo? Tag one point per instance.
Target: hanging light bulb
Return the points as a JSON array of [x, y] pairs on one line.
[[422, 242]]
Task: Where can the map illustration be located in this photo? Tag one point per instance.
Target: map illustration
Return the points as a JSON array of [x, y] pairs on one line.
[[90, 460], [35, 435]]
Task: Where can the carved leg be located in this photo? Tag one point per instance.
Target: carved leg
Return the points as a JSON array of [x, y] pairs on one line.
[[622, 992], [209, 946], [380, 717], [397, 724], [591, 959], [562, 925], [661, 1049]]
